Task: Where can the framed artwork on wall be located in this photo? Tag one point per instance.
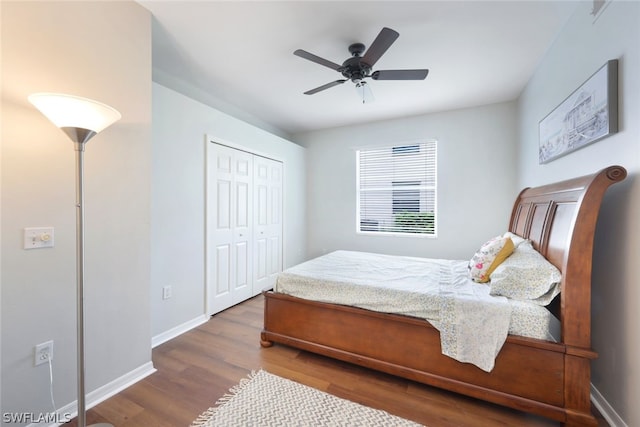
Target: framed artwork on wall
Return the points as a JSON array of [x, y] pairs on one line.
[[589, 114]]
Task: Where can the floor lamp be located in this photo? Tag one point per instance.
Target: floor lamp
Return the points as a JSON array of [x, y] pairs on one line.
[[80, 119]]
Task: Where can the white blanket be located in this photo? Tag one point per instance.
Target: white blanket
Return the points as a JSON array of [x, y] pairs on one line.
[[473, 325]]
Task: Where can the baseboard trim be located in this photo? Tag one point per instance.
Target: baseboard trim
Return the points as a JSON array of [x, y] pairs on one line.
[[103, 393], [606, 410], [178, 330]]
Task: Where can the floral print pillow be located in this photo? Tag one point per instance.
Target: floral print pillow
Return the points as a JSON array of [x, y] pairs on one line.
[[488, 257]]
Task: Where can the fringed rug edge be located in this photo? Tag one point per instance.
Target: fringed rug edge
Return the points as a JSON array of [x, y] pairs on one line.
[[233, 391]]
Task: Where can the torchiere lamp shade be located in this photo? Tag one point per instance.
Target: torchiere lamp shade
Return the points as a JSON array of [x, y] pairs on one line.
[[68, 111]]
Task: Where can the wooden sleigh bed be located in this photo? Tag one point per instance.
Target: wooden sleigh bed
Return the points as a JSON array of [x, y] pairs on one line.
[[551, 379]]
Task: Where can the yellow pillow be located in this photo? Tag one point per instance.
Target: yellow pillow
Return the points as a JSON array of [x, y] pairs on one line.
[[488, 257]]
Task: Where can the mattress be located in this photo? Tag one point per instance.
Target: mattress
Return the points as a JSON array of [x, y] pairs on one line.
[[436, 290]]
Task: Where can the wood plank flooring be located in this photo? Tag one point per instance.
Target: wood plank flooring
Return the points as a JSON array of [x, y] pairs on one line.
[[198, 367]]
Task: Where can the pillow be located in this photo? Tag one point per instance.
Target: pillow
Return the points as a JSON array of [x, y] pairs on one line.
[[488, 257], [526, 275], [515, 238]]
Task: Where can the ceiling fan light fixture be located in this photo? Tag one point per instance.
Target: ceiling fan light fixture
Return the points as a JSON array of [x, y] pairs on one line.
[[364, 92]]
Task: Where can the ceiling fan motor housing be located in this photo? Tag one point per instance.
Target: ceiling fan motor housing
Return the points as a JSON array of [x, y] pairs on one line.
[[353, 68]]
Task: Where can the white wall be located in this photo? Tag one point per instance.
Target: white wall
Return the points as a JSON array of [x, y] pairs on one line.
[[476, 176], [582, 48], [100, 50], [178, 200]]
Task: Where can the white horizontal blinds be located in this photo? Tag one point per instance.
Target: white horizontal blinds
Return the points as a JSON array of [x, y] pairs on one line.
[[397, 189]]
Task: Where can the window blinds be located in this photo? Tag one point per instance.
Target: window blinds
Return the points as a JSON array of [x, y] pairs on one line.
[[397, 189]]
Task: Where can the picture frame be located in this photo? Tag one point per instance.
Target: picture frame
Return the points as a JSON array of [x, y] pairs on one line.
[[588, 115]]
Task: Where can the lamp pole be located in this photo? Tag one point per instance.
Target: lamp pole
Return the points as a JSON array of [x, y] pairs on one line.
[[80, 119], [79, 151]]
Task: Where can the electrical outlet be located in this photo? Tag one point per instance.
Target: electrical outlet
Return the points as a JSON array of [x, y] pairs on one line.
[[43, 353], [166, 292]]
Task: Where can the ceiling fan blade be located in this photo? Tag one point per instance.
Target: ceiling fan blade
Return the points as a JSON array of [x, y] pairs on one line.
[[400, 75], [379, 46], [323, 87], [311, 57]]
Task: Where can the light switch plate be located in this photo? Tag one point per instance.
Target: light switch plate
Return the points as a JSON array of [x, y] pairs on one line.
[[38, 237]]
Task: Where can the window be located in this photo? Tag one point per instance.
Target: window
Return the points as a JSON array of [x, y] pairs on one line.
[[397, 189], [405, 149], [405, 196]]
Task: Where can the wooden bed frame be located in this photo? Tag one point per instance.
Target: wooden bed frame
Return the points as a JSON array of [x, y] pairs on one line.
[[542, 377]]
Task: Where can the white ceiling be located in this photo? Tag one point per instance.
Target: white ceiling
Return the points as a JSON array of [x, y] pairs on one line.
[[238, 55]]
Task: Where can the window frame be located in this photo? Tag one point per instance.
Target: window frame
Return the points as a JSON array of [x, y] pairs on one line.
[[399, 149]]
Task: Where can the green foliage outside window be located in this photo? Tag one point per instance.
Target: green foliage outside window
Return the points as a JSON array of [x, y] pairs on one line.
[[414, 222]]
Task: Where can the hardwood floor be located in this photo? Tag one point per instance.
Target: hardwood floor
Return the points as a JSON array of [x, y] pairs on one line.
[[198, 367]]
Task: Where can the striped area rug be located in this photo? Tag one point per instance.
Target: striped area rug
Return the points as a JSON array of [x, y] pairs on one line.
[[267, 400]]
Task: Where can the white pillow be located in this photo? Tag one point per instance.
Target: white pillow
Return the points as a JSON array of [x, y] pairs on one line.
[[526, 275], [515, 238]]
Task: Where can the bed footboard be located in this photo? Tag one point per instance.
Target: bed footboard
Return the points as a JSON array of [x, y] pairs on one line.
[[410, 348]]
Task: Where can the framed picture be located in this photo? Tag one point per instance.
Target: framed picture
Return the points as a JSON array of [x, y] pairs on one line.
[[589, 114]]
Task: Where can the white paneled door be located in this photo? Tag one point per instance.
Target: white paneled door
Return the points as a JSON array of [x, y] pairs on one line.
[[267, 196], [244, 225]]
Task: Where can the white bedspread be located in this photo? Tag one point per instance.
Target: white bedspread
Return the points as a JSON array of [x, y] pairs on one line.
[[473, 325]]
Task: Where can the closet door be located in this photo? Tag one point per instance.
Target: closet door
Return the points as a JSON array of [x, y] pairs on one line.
[[229, 227], [267, 177]]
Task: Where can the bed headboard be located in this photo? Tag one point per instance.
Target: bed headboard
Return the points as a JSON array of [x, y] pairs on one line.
[[560, 219]]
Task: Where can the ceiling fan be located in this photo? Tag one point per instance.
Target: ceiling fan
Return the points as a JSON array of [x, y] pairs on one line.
[[359, 67]]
